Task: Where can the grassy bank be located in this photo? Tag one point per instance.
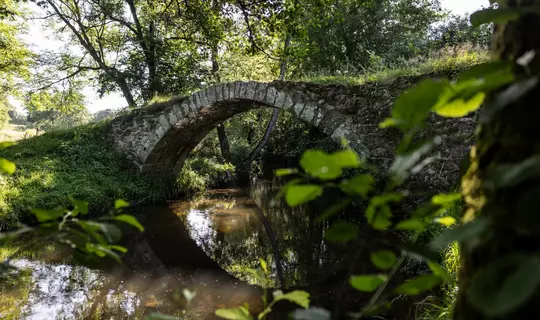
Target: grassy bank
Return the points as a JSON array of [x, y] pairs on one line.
[[77, 163], [442, 61]]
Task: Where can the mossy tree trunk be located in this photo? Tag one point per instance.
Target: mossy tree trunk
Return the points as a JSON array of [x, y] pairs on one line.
[[506, 136]]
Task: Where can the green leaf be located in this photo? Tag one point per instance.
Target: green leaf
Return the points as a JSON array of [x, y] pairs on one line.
[[108, 252], [446, 198], [283, 189], [47, 215], [302, 193], [131, 220], [239, 313], [298, 297], [284, 172], [384, 259], [79, 207], [320, 165], [388, 123], [313, 313], [359, 185], [494, 15], [334, 209], [120, 203], [111, 232], [264, 265], [118, 248], [420, 252], [505, 285], [439, 271], [411, 224], [341, 231], [404, 162], [367, 283], [460, 107], [379, 216], [488, 69], [418, 284], [5, 144], [259, 275], [378, 309], [346, 158], [464, 232], [412, 107], [7, 166], [378, 213], [446, 221]]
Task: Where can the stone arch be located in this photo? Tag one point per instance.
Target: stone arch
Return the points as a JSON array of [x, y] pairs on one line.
[[160, 137]]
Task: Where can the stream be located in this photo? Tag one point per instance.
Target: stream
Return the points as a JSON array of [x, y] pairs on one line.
[[203, 247]]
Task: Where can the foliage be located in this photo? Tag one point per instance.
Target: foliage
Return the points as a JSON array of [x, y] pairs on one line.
[[78, 163], [352, 36], [15, 57], [201, 173], [435, 62], [448, 99]]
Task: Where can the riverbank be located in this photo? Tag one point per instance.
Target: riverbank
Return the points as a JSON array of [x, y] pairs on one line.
[[76, 163]]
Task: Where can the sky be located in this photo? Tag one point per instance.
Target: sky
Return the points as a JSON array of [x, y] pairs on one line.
[[40, 40]]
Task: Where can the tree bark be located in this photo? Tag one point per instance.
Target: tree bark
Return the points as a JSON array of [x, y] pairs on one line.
[[223, 142], [275, 114], [269, 127], [507, 135]]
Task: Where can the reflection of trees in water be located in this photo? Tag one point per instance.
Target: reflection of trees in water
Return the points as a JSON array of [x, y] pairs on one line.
[[235, 237]]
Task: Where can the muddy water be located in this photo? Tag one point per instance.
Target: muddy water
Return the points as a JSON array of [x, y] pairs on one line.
[[205, 246]]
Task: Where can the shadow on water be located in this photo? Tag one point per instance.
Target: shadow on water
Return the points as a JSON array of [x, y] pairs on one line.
[[204, 245]]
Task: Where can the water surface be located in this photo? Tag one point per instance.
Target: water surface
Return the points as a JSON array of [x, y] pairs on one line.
[[204, 245]]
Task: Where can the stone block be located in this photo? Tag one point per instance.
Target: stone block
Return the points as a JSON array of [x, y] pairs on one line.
[[340, 132], [164, 121], [319, 116], [211, 95], [219, 92], [309, 112], [173, 118], [230, 89], [142, 154], [237, 88], [203, 98], [298, 108], [184, 108], [243, 90], [160, 132], [250, 92], [271, 95], [280, 100], [260, 92], [192, 103], [288, 103]]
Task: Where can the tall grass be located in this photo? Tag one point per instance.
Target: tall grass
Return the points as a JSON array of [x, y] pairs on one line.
[[441, 307], [444, 60]]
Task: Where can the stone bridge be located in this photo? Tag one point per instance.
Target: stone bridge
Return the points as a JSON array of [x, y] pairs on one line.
[[160, 137]]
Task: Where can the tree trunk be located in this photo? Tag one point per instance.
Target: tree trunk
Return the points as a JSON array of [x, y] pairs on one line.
[[264, 140], [223, 142], [222, 135], [507, 135], [271, 124], [125, 91]]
